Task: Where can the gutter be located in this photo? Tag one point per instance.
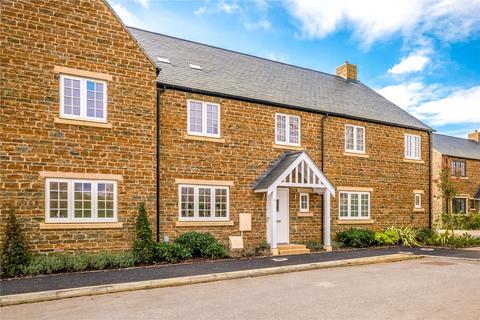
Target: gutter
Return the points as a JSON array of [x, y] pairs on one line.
[[157, 173], [430, 196], [323, 161], [282, 105]]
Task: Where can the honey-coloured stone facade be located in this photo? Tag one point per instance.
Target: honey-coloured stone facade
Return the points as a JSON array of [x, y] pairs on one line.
[[37, 36]]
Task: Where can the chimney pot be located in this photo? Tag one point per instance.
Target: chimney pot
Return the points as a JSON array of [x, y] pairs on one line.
[[347, 71], [474, 136]]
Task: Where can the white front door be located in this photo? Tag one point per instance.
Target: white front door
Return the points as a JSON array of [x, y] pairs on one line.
[[282, 208]]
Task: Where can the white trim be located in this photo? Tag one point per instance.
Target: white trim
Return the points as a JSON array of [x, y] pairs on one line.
[[83, 99], [409, 156], [196, 217], [307, 209], [349, 208], [70, 200], [204, 119], [355, 146], [287, 131], [418, 196]]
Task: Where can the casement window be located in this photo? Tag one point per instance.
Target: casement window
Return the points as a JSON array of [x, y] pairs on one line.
[[200, 203], [459, 168], [472, 204], [287, 129], [412, 147], [354, 205], [71, 200], [304, 202], [203, 118], [459, 205], [417, 200], [83, 99], [354, 139]]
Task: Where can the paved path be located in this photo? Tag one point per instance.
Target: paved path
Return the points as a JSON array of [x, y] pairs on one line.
[[429, 288], [82, 279]]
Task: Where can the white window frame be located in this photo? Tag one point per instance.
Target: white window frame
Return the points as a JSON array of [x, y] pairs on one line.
[[196, 203], [71, 208], [349, 210], [287, 131], [417, 196], [409, 156], [355, 146], [204, 119], [83, 99], [307, 209]]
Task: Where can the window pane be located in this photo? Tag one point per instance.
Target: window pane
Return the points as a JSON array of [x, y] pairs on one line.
[[303, 202], [204, 202], [105, 200], [212, 119], [83, 199], [281, 128], [349, 137], [58, 199], [364, 204], [293, 130], [71, 96], [360, 136], [187, 202], [221, 203], [354, 204], [94, 99], [195, 120], [343, 204]]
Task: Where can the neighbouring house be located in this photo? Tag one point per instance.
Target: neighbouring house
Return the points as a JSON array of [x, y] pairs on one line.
[[461, 157], [300, 154]]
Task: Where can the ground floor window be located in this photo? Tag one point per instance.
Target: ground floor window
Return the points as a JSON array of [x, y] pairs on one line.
[[69, 200], [354, 205], [418, 200], [203, 202], [474, 204], [304, 202], [459, 205]]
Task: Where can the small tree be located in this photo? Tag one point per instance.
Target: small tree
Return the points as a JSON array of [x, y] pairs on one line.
[[143, 246], [448, 191], [14, 253]]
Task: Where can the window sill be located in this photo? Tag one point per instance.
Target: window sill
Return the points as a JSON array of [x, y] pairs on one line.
[[353, 154], [413, 161], [202, 138], [203, 223], [304, 214], [83, 123], [355, 221], [288, 147], [461, 178], [419, 209], [90, 225]]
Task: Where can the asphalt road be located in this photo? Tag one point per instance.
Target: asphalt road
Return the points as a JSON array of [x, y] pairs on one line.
[[430, 288]]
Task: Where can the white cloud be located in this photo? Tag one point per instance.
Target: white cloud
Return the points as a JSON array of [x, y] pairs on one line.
[[228, 7], [128, 18], [372, 20], [200, 11], [143, 3], [261, 24], [435, 104], [413, 63], [280, 57]]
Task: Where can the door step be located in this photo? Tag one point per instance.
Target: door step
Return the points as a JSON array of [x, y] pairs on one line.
[[287, 249]]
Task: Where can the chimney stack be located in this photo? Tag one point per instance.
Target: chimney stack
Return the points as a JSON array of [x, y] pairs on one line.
[[347, 71], [475, 136]]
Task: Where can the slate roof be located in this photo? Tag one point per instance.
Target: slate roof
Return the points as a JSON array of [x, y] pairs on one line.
[[456, 147], [234, 74], [276, 169]]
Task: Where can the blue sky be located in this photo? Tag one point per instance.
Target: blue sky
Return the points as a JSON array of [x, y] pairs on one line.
[[423, 55]]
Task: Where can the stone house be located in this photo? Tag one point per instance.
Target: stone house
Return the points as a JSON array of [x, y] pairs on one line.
[[97, 118], [461, 157]]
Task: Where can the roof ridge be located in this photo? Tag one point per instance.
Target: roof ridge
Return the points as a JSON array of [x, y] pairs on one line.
[[446, 135], [241, 53]]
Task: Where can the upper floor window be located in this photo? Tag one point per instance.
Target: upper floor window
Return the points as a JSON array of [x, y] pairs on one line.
[[459, 168], [203, 202], [354, 139], [71, 200], [412, 147], [287, 129], [354, 205], [203, 118], [83, 99]]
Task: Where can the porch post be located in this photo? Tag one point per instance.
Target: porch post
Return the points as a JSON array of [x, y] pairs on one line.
[[327, 245], [273, 221]]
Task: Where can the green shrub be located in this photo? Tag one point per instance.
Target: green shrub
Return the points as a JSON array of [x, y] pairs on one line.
[[407, 236], [143, 246], [465, 240], [387, 238], [357, 238], [14, 252], [426, 236], [262, 248], [313, 245], [171, 252], [122, 260], [43, 264], [460, 221], [100, 261], [202, 245]]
